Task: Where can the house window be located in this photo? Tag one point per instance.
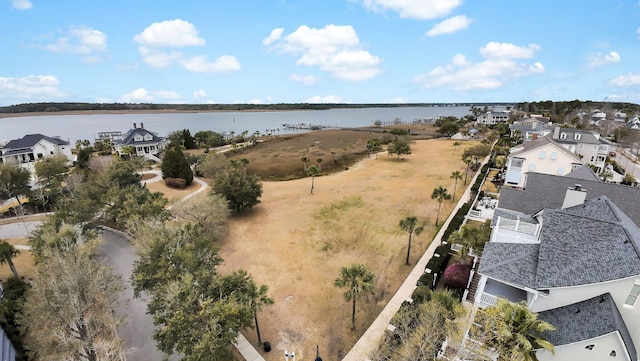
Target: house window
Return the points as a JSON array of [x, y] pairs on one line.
[[40, 155], [560, 170], [633, 295], [563, 135], [576, 136], [612, 353], [590, 347], [516, 163], [554, 155], [542, 154], [139, 149], [532, 167], [595, 148], [148, 137], [137, 138]]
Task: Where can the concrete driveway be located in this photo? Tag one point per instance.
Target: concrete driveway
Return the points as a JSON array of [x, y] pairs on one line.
[[117, 252]]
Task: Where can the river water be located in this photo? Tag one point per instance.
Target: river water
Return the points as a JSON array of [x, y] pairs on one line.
[[74, 127]]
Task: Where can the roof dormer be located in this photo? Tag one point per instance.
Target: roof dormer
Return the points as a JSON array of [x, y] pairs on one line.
[[138, 138]]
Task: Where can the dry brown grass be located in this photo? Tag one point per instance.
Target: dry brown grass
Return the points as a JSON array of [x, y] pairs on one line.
[[23, 261], [173, 194], [296, 243]]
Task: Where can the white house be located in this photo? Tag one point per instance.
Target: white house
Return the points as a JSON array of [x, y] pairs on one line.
[[578, 267], [541, 155], [585, 144], [33, 147], [492, 117], [144, 142], [531, 128]]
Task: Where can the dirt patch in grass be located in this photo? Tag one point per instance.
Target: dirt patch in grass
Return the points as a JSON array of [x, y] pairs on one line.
[[173, 194], [296, 242], [488, 186], [23, 261]]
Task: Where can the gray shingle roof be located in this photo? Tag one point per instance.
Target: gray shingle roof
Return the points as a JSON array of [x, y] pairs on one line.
[[583, 172], [540, 142], [590, 243], [586, 320], [128, 138], [578, 249], [548, 191], [513, 263], [30, 140]]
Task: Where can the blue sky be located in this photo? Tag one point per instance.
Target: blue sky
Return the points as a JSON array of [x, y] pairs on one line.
[[319, 51]]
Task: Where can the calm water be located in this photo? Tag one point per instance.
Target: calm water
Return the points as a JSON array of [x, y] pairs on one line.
[[73, 127]]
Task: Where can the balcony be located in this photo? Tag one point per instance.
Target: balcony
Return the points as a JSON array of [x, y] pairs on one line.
[[515, 231], [493, 290]]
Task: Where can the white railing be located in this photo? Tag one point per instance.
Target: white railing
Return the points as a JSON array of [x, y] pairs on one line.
[[488, 299], [517, 226]]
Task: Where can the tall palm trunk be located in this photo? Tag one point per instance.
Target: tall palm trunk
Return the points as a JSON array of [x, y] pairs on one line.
[[13, 268], [438, 214], [255, 319], [353, 315], [408, 249]]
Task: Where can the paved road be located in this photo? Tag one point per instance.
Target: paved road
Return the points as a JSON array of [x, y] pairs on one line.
[[120, 254], [626, 162], [17, 229]]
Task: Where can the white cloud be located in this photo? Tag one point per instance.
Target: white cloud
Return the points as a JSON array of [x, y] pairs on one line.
[[141, 95], [498, 68], [159, 40], [304, 79], [276, 34], [325, 99], [21, 4], [169, 33], [157, 58], [334, 49], [449, 26], [199, 94], [604, 59], [80, 40], [495, 50], [626, 80], [199, 64], [638, 31], [414, 9], [30, 88]]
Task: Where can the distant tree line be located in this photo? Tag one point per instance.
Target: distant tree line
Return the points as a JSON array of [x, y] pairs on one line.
[[559, 110], [76, 106]]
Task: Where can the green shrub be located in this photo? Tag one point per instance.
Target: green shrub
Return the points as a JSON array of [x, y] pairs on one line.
[[426, 280], [422, 294]]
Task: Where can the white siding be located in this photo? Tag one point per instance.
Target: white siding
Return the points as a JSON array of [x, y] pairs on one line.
[[602, 347]]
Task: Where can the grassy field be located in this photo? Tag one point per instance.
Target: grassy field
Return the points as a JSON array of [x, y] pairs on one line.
[[23, 261], [296, 242]]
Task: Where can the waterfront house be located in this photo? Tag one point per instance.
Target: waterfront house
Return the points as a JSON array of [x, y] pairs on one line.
[[492, 118], [144, 142], [33, 147]]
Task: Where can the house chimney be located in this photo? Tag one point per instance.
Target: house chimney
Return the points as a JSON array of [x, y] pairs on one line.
[[141, 125], [134, 125], [575, 196]]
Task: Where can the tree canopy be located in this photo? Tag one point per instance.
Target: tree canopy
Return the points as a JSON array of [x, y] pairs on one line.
[[175, 165], [241, 190]]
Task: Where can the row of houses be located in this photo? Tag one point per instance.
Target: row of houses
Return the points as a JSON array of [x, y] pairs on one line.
[[565, 243], [26, 151]]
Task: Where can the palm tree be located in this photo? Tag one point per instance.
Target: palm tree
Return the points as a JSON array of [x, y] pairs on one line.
[[7, 252], [358, 280], [410, 225], [456, 145], [455, 176], [515, 331], [467, 162], [440, 194], [257, 299], [313, 172], [319, 161], [304, 160]]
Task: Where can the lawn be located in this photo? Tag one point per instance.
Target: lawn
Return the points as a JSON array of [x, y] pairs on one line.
[[23, 261], [296, 242]]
